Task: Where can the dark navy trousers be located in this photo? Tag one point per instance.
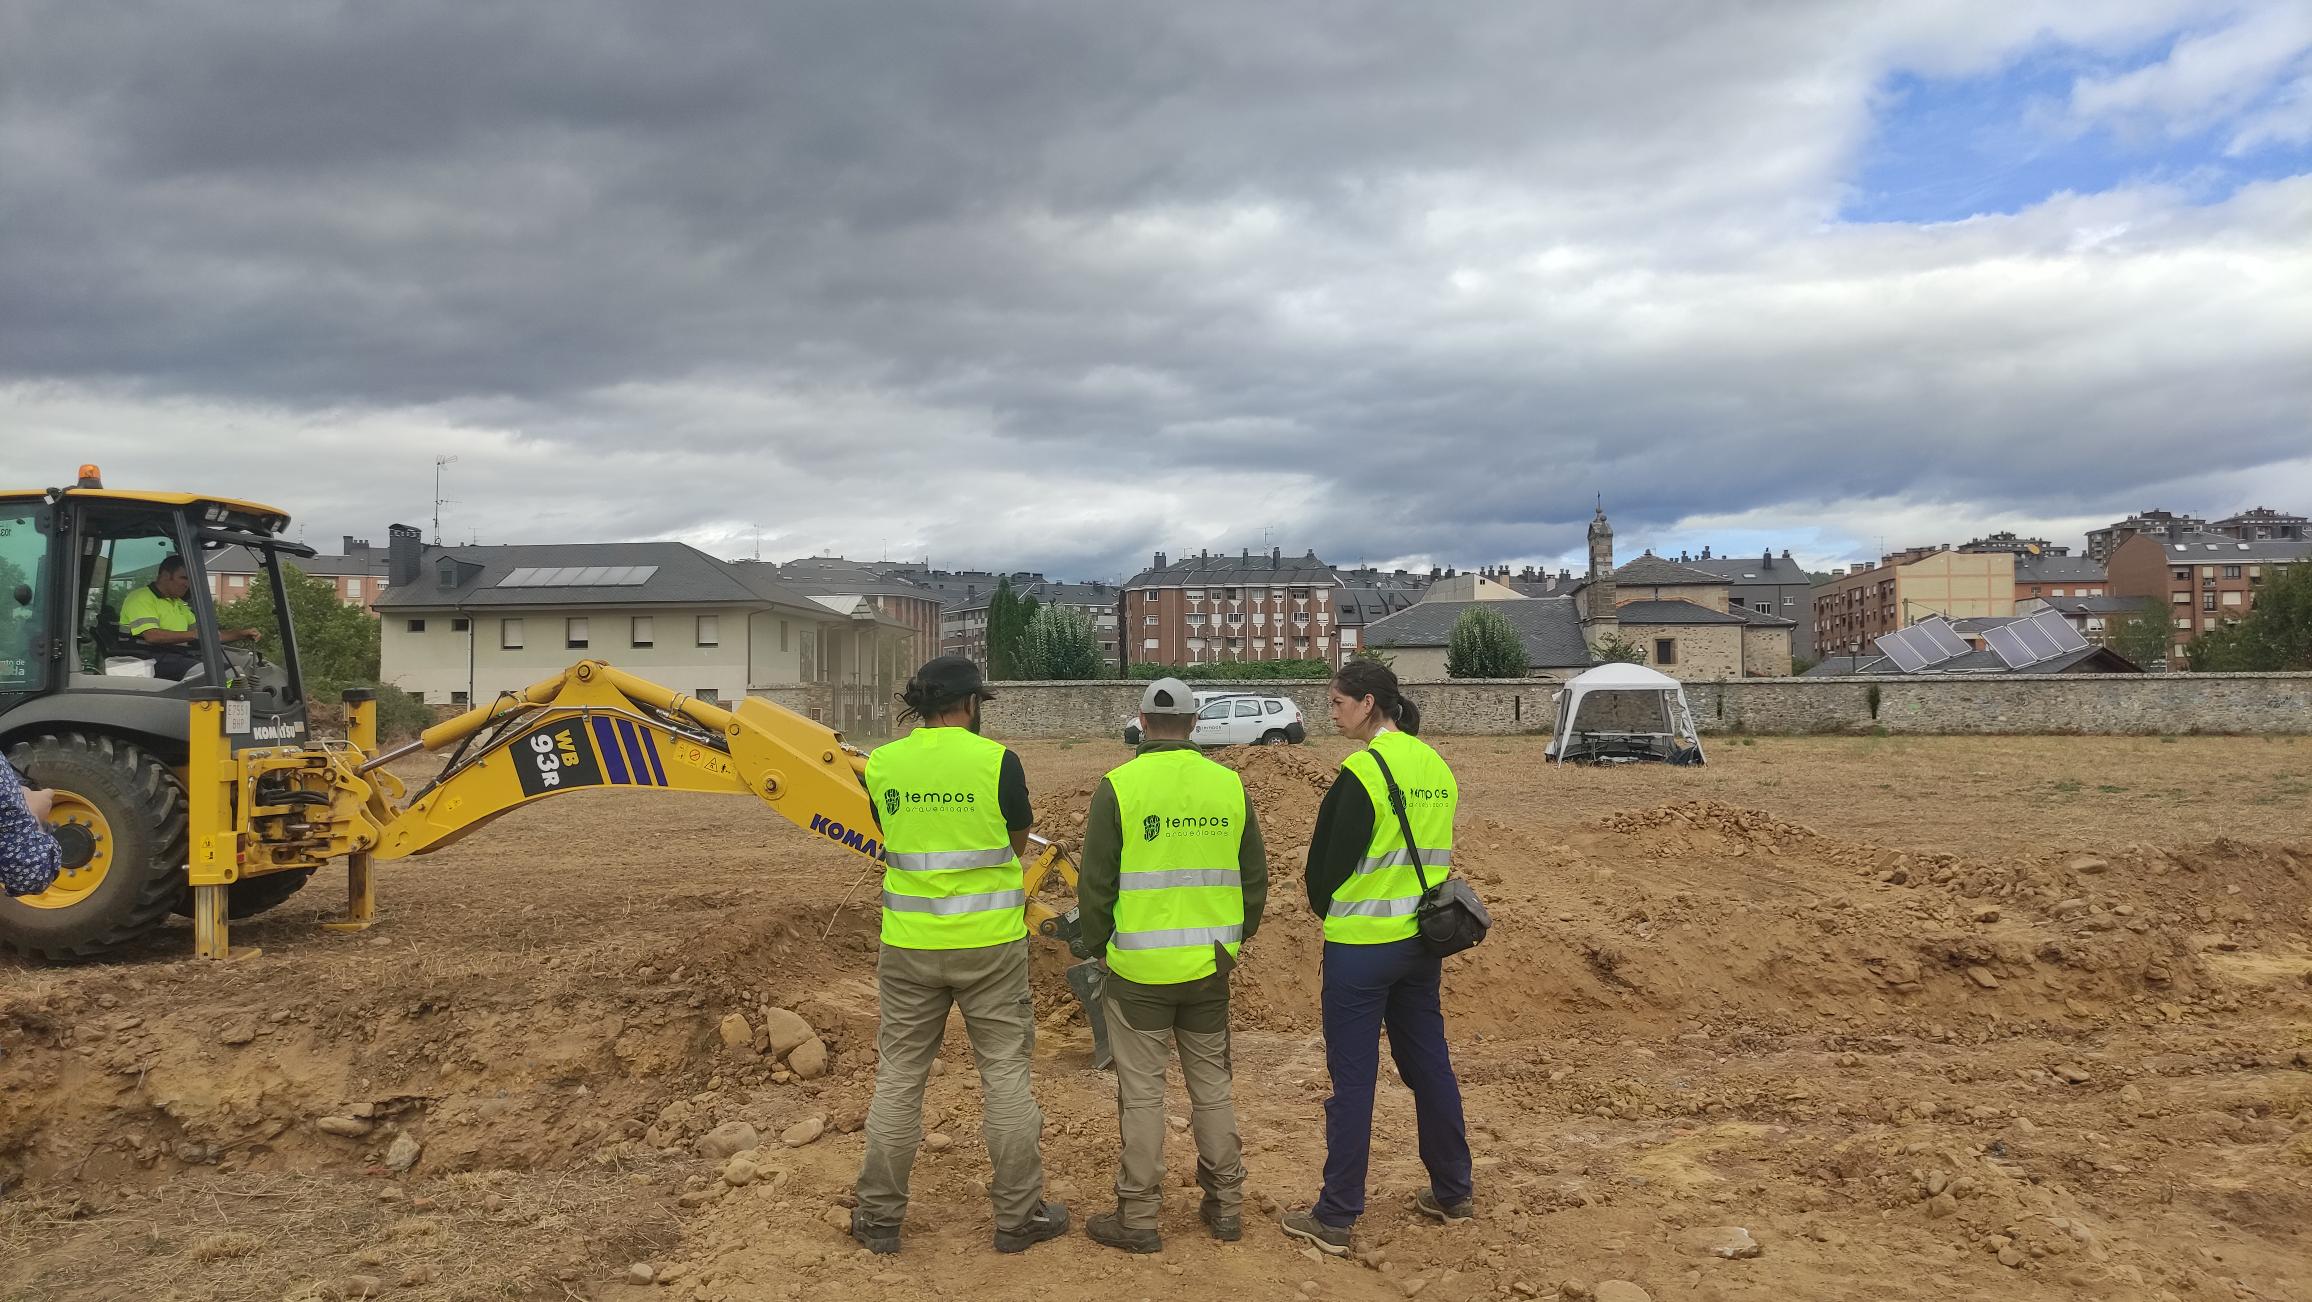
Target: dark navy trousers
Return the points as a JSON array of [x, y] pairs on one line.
[[1366, 988]]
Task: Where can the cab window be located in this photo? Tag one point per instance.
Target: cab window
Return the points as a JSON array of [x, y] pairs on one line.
[[1216, 710], [1276, 707], [23, 577], [116, 562], [1247, 709]]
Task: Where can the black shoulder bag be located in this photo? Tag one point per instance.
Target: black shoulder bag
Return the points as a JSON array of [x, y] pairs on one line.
[[1450, 917]]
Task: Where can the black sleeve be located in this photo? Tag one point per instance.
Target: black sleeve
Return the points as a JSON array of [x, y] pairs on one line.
[[1011, 793], [1343, 833], [874, 809]]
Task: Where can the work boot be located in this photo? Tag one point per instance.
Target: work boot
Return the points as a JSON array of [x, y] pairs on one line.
[[882, 1240], [1108, 1228], [1227, 1227], [1425, 1202], [1302, 1223], [1048, 1221]]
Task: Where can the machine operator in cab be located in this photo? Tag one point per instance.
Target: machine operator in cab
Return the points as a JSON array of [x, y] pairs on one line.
[[953, 807], [158, 617]]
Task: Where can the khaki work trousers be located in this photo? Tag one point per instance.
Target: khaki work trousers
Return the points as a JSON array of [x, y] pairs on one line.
[[916, 988], [1141, 1052]]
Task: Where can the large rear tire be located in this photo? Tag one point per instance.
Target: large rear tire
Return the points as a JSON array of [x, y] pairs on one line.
[[121, 816]]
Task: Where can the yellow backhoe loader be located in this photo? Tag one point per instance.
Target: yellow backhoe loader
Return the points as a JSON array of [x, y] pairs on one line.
[[205, 795]]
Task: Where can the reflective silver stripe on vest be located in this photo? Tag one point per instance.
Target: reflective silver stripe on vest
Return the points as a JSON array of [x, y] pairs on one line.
[[1177, 937], [987, 903], [1158, 879], [1404, 859], [1373, 908], [940, 861]]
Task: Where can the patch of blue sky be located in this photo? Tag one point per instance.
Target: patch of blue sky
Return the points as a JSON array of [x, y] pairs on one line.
[[1948, 148]]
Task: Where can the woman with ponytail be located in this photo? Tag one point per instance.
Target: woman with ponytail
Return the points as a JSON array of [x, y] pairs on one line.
[[1363, 880]]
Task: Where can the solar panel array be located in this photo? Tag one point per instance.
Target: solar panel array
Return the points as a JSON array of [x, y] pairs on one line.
[[579, 576], [1923, 645], [2027, 642]]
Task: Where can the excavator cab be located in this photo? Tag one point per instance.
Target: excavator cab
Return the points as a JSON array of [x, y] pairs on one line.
[[92, 711]]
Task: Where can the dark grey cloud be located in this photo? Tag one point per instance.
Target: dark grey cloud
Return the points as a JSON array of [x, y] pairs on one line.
[[1059, 284]]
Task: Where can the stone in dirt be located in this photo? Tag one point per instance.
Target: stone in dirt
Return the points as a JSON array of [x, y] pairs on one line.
[[803, 1132], [2090, 864], [1619, 1290], [2071, 1073], [837, 1219], [239, 1031], [641, 1273], [347, 1127], [737, 1036], [809, 1059], [784, 1030], [740, 1171], [728, 1140], [1981, 976], [403, 1153], [937, 1143], [1732, 1242]]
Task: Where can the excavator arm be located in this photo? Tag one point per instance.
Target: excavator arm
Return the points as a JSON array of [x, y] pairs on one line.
[[594, 726]]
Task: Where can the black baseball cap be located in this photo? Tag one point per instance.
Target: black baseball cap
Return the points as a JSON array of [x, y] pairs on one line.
[[952, 678]]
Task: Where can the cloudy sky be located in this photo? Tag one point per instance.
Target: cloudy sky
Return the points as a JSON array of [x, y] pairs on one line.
[[1058, 285]]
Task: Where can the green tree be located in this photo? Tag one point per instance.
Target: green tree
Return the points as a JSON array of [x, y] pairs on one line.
[[1060, 643], [1484, 645], [2276, 636], [2143, 636], [337, 644], [1007, 625], [1377, 657], [1614, 647]]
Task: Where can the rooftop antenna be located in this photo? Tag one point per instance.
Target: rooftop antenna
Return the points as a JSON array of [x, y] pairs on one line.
[[758, 542], [439, 462]]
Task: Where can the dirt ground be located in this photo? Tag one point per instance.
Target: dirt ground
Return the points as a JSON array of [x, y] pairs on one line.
[[1928, 1017]]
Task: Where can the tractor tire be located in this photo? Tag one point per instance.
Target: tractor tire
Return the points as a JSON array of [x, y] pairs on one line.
[[134, 819]]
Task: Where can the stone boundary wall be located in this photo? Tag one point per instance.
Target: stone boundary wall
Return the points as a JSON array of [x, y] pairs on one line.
[[2082, 703]]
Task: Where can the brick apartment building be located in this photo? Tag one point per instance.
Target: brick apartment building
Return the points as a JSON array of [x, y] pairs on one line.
[[2009, 541], [1206, 608], [1856, 607], [2263, 524], [2206, 580], [2044, 575], [359, 573]]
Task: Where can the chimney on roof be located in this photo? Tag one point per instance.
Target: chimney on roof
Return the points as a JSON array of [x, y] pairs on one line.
[[1786, 553], [1705, 551], [1159, 561], [403, 553], [1766, 559]]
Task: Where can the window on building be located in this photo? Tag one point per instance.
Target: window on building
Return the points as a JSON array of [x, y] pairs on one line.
[[2183, 623], [1665, 650], [1300, 594], [709, 630], [1236, 618], [414, 625], [510, 634], [2233, 598], [1148, 644], [1230, 594], [1236, 644], [2231, 571], [2180, 598], [1193, 594], [707, 694], [641, 633], [353, 588], [459, 698], [574, 633], [1196, 621], [1149, 620], [2180, 574], [2207, 601], [460, 625]]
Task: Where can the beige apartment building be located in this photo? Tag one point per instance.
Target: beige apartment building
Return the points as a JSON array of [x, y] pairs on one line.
[[1855, 608]]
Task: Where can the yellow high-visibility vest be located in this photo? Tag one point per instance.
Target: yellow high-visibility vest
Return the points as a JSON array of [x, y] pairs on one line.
[[1375, 905], [1179, 891], [950, 879]]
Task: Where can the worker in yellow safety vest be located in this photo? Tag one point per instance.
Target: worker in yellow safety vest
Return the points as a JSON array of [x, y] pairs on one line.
[[1172, 883], [1364, 883], [953, 808]]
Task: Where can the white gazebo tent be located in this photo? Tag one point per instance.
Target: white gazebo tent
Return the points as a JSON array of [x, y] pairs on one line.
[[1618, 713]]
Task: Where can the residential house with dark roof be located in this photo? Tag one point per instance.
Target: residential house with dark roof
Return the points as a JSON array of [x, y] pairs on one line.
[[1683, 618], [1415, 638], [2164, 525], [462, 624], [1766, 584], [2043, 575], [1097, 601]]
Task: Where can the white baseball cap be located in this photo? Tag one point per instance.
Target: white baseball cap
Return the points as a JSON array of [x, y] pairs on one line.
[[1168, 696]]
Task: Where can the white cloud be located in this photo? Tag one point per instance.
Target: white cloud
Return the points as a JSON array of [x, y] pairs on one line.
[[2206, 78]]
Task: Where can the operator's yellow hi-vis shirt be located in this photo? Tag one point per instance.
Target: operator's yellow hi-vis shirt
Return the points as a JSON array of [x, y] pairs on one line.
[[145, 610]]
